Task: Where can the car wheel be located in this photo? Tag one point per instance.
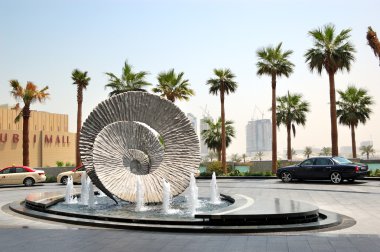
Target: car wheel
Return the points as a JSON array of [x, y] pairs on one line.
[[64, 180], [286, 176], [336, 178], [29, 182]]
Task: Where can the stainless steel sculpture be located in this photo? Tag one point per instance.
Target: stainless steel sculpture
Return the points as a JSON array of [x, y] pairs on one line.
[[116, 148]]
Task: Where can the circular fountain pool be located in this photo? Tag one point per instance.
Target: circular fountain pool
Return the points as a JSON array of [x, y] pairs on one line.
[[104, 206]]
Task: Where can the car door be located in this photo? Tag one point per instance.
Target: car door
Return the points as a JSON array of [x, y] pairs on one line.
[[322, 168], [20, 175], [4, 176], [77, 175], [304, 169], [11, 177]]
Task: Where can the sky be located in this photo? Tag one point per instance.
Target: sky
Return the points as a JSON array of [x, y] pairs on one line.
[[43, 41]]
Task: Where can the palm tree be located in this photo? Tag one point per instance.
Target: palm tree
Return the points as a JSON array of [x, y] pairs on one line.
[[291, 110], [354, 108], [235, 158], [244, 156], [259, 155], [211, 155], [307, 152], [223, 84], [81, 80], [367, 150], [326, 151], [373, 42], [129, 81], [28, 95], [274, 63], [332, 52], [173, 86], [213, 135]]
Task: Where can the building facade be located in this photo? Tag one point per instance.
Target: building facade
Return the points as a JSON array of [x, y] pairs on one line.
[[193, 121], [49, 139], [258, 136], [203, 126]]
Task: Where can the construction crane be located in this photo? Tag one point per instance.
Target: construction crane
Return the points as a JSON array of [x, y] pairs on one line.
[[205, 112], [257, 109]]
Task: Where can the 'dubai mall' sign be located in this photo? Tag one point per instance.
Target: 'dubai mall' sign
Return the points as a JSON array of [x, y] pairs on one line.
[[48, 138], [45, 148]]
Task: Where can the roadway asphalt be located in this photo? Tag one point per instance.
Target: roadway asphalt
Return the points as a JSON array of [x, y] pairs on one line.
[[360, 201]]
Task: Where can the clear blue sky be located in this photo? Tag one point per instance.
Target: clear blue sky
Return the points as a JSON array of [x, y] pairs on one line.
[[43, 41]]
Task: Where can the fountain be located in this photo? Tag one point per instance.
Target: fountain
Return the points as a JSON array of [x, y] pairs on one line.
[[91, 195], [214, 192], [70, 197], [84, 192], [166, 196], [144, 179], [139, 195], [193, 195]]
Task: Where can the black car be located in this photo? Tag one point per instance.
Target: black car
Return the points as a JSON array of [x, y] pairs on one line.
[[335, 169]]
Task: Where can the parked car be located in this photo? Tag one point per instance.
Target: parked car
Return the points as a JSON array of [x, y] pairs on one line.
[[15, 175], [76, 173], [335, 169]]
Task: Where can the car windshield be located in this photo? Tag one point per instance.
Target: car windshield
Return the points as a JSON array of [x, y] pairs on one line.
[[341, 160]]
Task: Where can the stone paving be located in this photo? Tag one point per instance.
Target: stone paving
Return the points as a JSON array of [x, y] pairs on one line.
[[360, 201]]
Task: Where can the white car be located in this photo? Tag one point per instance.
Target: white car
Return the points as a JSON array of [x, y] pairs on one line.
[[15, 175], [76, 173]]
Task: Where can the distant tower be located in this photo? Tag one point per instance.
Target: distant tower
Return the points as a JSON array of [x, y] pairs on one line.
[[258, 136], [204, 126], [193, 121]]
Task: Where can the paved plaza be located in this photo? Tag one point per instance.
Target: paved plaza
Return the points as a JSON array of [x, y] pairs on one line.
[[359, 201]]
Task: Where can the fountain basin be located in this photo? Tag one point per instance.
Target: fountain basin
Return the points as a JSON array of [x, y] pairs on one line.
[[244, 214]]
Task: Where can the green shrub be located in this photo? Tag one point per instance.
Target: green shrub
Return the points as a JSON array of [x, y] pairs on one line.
[[51, 179], [235, 173], [68, 164], [268, 173], [216, 167], [59, 163], [375, 173]]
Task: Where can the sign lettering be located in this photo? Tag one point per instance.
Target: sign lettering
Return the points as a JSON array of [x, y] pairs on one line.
[[3, 138], [15, 138], [48, 140]]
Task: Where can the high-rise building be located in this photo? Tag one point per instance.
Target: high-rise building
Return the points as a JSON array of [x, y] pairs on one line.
[[193, 121], [203, 126], [258, 136]]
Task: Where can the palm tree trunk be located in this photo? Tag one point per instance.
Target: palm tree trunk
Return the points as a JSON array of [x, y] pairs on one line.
[[274, 129], [289, 141], [79, 124], [353, 139], [219, 152], [334, 126], [223, 130], [25, 135]]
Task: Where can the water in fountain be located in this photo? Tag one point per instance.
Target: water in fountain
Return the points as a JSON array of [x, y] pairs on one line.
[[91, 198], [214, 196], [139, 195], [69, 195], [167, 197], [84, 191], [192, 198]]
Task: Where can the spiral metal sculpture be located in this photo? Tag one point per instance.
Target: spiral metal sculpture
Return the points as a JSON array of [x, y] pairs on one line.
[[116, 148]]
